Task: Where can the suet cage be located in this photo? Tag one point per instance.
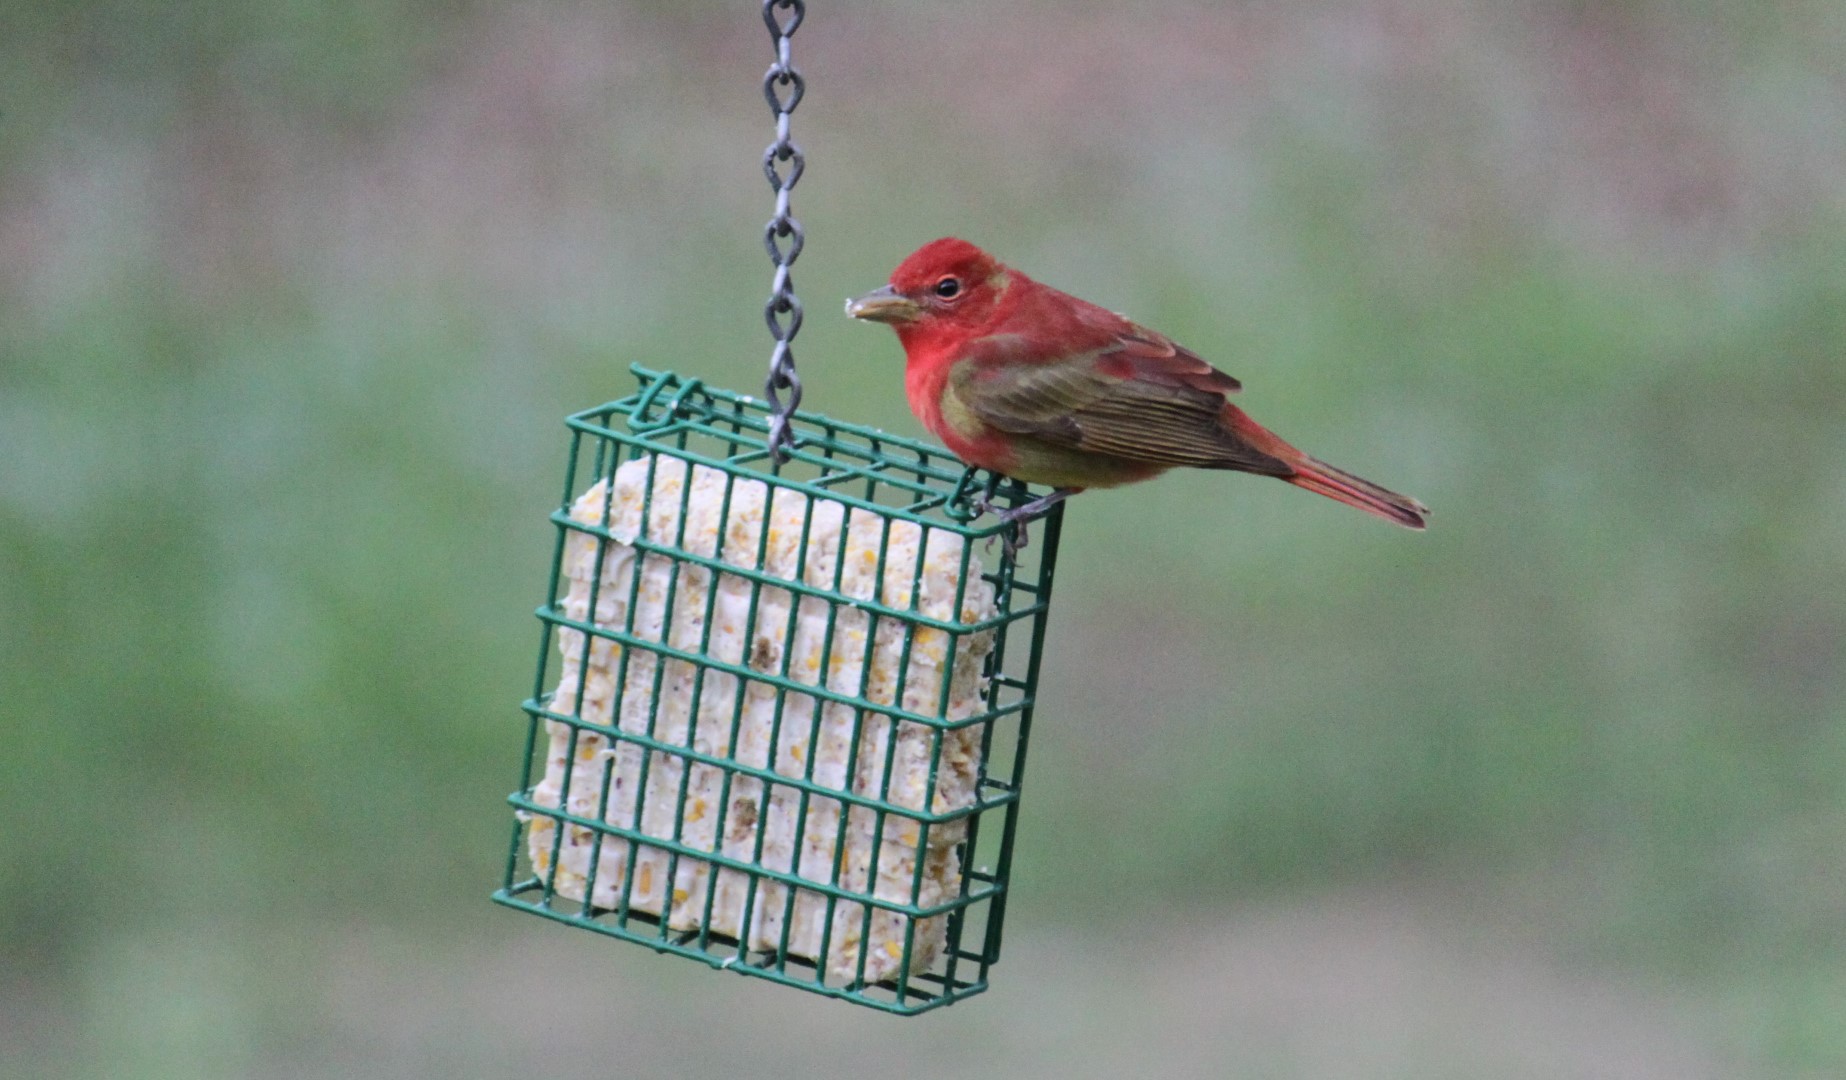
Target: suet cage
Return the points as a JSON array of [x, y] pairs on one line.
[[780, 716]]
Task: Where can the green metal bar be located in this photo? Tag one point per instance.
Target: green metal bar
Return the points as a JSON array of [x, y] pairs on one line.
[[721, 828], [1053, 526], [1004, 590], [596, 845], [878, 817], [755, 868], [844, 807], [812, 756], [789, 629], [811, 488], [668, 609], [747, 919], [713, 587], [749, 406], [637, 569], [892, 732], [902, 1007], [952, 932]]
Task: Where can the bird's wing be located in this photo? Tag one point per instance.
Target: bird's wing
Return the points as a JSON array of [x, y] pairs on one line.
[[1140, 353], [1140, 397]]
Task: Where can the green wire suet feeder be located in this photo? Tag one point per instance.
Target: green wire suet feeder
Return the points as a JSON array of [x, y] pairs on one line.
[[785, 733]]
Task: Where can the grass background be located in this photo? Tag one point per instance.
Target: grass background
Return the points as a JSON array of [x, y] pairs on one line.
[[292, 301]]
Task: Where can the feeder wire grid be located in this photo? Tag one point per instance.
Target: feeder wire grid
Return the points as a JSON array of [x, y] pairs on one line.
[[786, 730]]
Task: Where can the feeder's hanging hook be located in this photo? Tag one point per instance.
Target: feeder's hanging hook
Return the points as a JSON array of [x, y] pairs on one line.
[[782, 163]]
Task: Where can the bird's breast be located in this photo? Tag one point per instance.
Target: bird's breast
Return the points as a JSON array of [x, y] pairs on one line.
[[948, 417]]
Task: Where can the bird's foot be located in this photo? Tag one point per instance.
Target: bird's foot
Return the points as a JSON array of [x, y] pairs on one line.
[[1015, 539], [984, 506]]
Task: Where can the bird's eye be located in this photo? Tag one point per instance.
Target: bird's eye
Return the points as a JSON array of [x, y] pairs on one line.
[[948, 288]]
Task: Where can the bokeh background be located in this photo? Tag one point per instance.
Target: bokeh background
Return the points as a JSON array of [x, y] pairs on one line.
[[293, 298]]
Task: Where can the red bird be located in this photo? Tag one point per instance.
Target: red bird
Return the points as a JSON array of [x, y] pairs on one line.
[[1020, 378]]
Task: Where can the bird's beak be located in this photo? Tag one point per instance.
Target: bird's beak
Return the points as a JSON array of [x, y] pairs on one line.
[[885, 305]]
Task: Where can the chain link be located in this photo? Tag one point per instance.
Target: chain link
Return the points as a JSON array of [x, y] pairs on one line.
[[783, 163]]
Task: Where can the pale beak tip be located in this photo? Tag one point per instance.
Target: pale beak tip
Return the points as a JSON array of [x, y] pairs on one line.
[[885, 305]]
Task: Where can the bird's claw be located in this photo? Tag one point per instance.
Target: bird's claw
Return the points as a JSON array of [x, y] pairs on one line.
[[1015, 539]]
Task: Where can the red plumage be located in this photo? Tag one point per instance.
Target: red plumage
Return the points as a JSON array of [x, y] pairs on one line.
[[1016, 376]]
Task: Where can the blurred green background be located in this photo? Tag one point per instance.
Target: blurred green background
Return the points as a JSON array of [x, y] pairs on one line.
[[293, 298]]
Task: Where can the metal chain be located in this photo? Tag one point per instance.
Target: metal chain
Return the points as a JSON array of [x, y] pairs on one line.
[[783, 163]]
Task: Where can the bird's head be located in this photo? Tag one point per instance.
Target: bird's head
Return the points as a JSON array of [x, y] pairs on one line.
[[944, 284]]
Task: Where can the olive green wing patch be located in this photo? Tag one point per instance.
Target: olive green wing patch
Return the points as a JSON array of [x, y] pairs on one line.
[[1081, 403]]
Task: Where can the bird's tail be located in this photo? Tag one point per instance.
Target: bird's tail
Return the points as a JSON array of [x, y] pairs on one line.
[[1318, 476]]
